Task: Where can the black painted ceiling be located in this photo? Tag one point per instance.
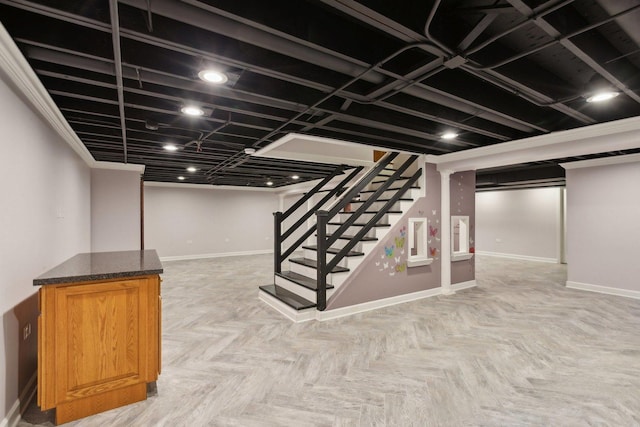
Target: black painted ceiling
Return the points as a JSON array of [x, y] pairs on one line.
[[394, 74]]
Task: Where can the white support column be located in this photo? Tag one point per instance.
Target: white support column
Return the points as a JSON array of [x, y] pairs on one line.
[[445, 226]]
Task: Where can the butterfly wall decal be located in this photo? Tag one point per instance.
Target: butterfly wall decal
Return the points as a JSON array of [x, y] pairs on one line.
[[433, 231], [399, 242], [433, 212], [433, 251], [401, 267], [388, 251], [397, 259]]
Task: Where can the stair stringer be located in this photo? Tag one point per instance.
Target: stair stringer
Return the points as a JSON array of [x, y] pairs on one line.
[[374, 273]]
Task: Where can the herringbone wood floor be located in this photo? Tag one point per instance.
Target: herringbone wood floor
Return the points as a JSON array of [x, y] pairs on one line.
[[518, 350]]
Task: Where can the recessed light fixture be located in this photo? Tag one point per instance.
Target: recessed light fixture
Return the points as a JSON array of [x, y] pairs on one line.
[[249, 150], [151, 125], [170, 147], [269, 183], [192, 110], [191, 169], [295, 177], [213, 76], [602, 96], [449, 135], [181, 178]]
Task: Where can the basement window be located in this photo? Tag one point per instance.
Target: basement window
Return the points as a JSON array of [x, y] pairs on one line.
[[460, 238], [418, 253]]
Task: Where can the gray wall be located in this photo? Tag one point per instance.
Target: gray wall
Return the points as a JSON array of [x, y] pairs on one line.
[[45, 219], [463, 203], [603, 226], [520, 223], [385, 274], [192, 222], [115, 210]]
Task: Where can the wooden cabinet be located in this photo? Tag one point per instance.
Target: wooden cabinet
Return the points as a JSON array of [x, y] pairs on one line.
[[99, 344]]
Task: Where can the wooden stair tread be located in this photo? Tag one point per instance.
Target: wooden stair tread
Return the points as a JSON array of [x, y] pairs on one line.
[[301, 280], [312, 263], [349, 237], [359, 224], [378, 181], [401, 199], [372, 212], [389, 189], [333, 250], [292, 300]]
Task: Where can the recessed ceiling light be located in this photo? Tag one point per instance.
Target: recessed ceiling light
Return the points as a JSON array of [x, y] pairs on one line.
[[151, 125], [213, 76], [269, 183], [191, 110], [602, 96], [295, 177], [170, 147], [191, 169], [449, 135], [181, 178], [249, 150]]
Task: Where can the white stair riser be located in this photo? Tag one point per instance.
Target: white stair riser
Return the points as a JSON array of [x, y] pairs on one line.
[[366, 217], [307, 271], [311, 254], [338, 279], [349, 262], [297, 289], [411, 193], [375, 185], [394, 218], [376, 206], [352, 230], [381, 232], [340, 243]]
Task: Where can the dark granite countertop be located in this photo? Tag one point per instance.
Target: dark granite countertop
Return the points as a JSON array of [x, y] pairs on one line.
[[102, 265]]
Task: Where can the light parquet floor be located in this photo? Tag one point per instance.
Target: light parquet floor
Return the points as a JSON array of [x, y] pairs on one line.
[[518, 350]]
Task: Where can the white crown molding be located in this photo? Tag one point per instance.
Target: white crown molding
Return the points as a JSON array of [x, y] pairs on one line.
[[19, 73], [599, 138], [603, 161], [119, 166]]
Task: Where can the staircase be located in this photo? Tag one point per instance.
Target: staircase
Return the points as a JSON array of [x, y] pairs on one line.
[[351, 217]]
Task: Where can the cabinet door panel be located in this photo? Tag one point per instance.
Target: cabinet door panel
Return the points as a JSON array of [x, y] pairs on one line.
[[101, 342]]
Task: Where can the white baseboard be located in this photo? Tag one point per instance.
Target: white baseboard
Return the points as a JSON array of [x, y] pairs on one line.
[[463, 285], [628, 293], [521, 257], [29, 392], [217, 255], [374, 305], [13, 416]]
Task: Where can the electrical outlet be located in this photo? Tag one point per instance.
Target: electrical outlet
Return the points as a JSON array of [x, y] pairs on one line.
[[26, 331]]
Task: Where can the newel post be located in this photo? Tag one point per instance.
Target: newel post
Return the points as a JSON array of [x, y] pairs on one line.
[[322, 219], [277, 241]]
